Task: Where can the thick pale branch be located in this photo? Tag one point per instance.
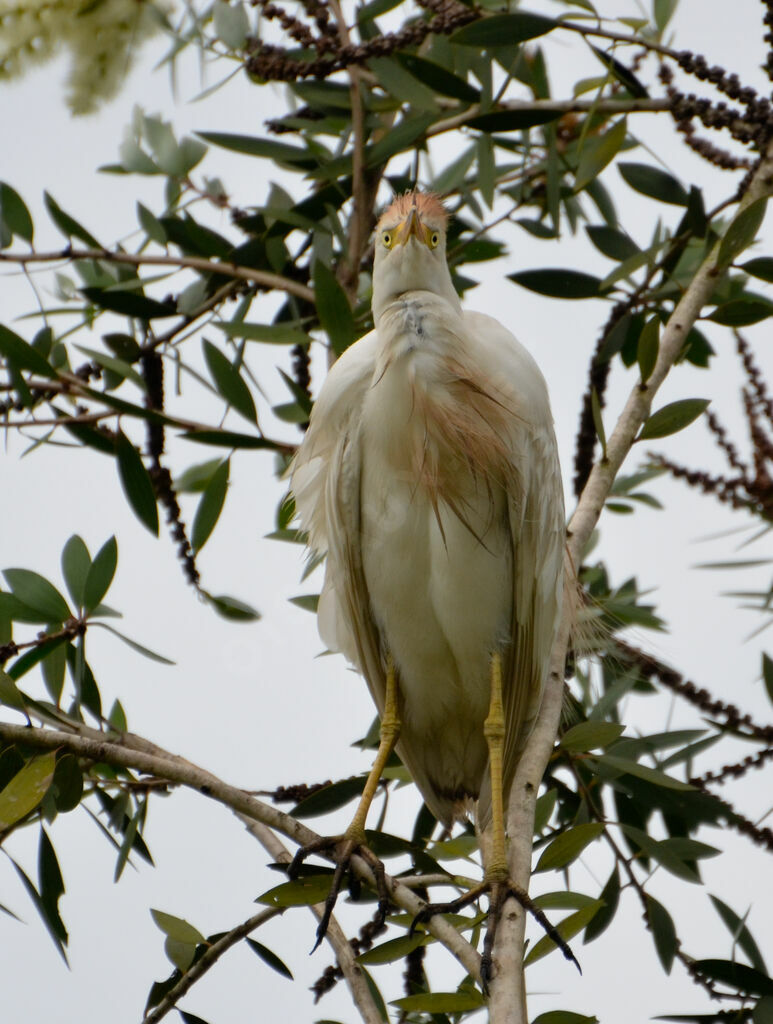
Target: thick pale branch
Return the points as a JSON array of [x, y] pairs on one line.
[[334, 935], [507, 992], [262, 277], [130, 751]]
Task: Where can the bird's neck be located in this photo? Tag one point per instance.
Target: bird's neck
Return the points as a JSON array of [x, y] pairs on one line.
[[419, 321]]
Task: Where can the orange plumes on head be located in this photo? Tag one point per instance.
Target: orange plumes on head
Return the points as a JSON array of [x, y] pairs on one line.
[[428, 205]]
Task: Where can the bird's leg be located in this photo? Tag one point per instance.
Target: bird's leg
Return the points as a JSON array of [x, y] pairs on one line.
[[496, 880], [354, 839]]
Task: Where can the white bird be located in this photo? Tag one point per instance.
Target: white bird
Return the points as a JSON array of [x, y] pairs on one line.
[[429, 478]]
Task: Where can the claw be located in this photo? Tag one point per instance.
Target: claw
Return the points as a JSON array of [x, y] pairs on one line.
[[341, 849], [499, 893]]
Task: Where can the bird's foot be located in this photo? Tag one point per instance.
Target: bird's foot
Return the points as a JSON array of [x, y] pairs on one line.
[[341, 849], [499, 891]]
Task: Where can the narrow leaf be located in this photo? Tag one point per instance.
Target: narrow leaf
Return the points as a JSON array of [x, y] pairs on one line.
[[76, 562], [673, 417], [229, 382], [100, 574], [558, 283], [26, 789], [269, 957], [503, 30], [663, 932], [36, 592], [333, 308], [741, 231], [210, 506], [136, 483], [568, 846]]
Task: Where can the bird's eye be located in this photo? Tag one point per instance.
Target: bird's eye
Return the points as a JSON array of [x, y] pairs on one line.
[[434, 240], [386, 239]]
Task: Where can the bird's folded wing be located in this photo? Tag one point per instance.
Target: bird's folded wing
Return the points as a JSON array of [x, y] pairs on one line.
[[537, 528]]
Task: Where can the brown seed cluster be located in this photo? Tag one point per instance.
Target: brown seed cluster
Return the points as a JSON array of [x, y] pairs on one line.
[[328, 53]]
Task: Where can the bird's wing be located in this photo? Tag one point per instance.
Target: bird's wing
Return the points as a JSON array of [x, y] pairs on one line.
[[537, 528], [325, 479]]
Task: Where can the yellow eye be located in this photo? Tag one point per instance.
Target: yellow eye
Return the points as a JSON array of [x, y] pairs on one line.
[[386, 239], [434, 240]]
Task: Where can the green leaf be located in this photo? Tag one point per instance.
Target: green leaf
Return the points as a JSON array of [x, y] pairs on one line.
[[568, 846], [330, 797], [100, 574], [308, 602], [558, 283], [503, 30], [195, 478], [36, 592], [129, 303], [741, 232], [641, 771], [210, 506], [302, 892], [151, 225], [622, 73], [567, 929], [253, 146], [118, 366], [440, 1002], [511, 120], [763, 1011], [270, 958], [76, 562], [232, 608], [564, 1017], [51, 926], [761, 267], [68, 783], [438, 78], [144, 651], [10, 695], [612, 242], [663, 932], [14, 214], [673, 417], [393, 949], [609, 899], [741, 934], [231, 24], [229, 382], [274, 334], [22, 355], [662, 853], [69, 227], [333, 308], [598, 151], [26, 789], [598, 421], [738, 976], [648, 348], [591, 735], [136, 483], [176, 928], [742, 312], [228, 439], [653, 182], [767, 675]]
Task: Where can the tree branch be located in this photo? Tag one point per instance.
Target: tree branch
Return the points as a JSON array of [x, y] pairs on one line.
[[132, 751], [262, 277], [207, 961], [335, 936], [508, 1004]]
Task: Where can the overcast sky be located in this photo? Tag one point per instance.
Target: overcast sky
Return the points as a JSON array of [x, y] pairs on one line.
[[254, 703]]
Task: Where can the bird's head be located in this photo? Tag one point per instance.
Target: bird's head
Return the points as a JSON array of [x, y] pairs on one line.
[[410, 250]]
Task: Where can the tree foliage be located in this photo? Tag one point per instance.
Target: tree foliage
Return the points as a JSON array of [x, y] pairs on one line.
[[374, 103]]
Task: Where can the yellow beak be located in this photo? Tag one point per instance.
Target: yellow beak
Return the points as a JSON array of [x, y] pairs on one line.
[[412, 227]]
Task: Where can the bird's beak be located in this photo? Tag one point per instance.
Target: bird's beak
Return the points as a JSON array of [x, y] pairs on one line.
[[412, 227]]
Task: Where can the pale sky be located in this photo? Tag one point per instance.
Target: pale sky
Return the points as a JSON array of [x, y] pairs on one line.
[[254, 703]]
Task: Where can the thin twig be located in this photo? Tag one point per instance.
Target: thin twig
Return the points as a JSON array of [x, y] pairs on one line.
[[207, 961], [262, 277]]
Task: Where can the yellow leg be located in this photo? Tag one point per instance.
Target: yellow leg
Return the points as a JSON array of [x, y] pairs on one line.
[[494, 731], [390, 732]]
